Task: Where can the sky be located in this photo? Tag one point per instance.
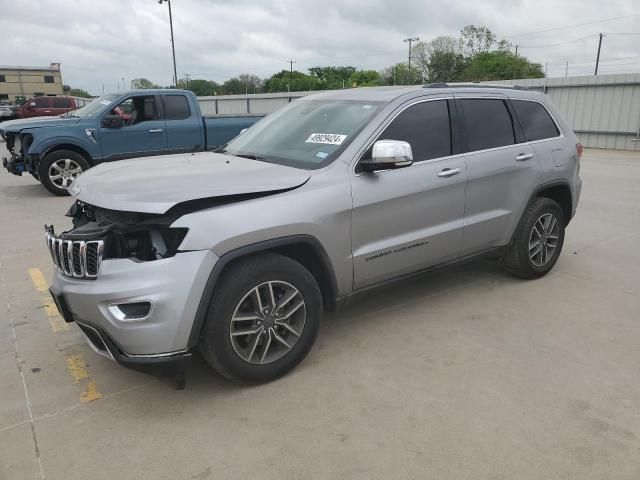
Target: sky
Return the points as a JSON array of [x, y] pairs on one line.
[[101, 42]]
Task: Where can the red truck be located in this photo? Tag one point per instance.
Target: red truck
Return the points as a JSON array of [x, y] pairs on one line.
[[46, 106]]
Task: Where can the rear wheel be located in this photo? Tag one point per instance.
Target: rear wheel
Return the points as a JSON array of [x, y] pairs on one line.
[[263, 320], [59, 169], [538, 240]]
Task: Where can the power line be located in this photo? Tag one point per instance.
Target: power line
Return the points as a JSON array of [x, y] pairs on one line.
[[559, 43], [575, 25]]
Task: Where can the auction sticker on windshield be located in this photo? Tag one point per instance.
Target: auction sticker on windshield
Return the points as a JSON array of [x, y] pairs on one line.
[[326, 138]]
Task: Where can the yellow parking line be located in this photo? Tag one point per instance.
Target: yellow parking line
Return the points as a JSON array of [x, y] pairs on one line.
[[55, 320], [76, 364]]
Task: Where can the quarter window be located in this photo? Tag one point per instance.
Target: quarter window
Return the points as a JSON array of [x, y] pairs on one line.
[[535, 121], [488, 123], [48, 79], [426, 127], [176, 107]]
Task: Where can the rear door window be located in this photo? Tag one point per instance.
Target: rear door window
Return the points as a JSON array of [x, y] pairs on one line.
[[488, 123], [426, 127], [60, 103], [41, 102], [176, 107], [535, 121]]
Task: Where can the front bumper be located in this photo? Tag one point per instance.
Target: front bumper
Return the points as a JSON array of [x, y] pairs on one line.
[[173, 286]]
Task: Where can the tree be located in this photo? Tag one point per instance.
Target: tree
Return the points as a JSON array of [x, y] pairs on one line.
[[77, 92], [475, 40], [233, 86], [143, 83], [501, 65], [440, 59], [333, 77], [280, 81], [365, 78], [201, 88], [399, 75], [252, 82]]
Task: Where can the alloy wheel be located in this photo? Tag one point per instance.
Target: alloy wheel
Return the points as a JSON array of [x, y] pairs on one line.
[[543, 240], [267, 322], [64, 171]]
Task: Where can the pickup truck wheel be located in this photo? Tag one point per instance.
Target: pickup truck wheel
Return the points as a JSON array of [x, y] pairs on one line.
[[58, 169], [263, 320], [538, 240]]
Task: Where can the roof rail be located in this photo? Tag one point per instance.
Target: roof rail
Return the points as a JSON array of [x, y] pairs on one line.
[[472, 84]]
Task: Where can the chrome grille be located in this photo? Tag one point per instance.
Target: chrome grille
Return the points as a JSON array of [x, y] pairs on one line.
[[76, 258]]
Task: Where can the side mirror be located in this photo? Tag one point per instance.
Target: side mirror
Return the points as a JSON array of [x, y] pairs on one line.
[[32, 104], [112, 121], [388, 154]]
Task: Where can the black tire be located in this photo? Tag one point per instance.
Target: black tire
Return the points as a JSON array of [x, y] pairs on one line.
[[49, 160], [234, 284], [517, 260]]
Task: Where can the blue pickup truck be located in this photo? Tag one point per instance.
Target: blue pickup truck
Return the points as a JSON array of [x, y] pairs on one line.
[[116, 126]]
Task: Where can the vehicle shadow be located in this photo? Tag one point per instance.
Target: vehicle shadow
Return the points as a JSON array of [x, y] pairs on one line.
[[368, 309]]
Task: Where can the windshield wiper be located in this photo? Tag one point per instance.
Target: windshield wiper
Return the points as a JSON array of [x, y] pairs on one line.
[[250, 156]]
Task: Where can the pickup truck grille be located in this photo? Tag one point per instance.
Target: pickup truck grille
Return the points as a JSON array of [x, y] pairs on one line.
[[74, 258]]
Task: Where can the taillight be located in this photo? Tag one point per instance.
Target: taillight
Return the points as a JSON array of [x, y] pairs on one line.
[[579, 150]]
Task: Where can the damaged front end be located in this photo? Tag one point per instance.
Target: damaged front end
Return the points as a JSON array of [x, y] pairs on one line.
[[101, 234], [17, 145]]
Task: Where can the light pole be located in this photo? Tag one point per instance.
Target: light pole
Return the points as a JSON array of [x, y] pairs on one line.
[[173, 48], [410, 41], [598, 56]]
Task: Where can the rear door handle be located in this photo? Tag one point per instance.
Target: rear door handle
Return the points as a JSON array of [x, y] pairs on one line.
[[524, 156], [449, 172], [155, 130]]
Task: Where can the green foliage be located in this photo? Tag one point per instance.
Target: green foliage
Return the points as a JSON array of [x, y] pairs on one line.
[[399, 75], [77, 92], [143, 83], [365, 78], [501, 65], [298, 81], [202, 88], [475, 40], [333, 77]]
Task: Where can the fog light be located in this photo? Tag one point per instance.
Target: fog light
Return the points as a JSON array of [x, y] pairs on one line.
[[131, 311]]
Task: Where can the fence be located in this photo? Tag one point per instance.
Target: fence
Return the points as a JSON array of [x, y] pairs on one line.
[[604, 110]]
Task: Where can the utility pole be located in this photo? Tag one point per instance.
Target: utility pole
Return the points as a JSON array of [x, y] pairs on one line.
[[410, 41], [187, 77], [290, 62], [394, 74], [566, 69], [598, 56], [515, 62], [173, 48], [124, 85]]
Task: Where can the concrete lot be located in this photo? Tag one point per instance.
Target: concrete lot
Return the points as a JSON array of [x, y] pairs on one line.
[[464, 374]]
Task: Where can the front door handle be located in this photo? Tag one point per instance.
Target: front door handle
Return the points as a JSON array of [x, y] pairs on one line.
[[449, 172], [524, 156], [155, 130]]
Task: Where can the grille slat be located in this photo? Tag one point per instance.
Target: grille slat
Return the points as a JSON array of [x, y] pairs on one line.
[[77, 259]]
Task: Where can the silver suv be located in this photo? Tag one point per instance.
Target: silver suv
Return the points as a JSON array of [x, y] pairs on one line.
[[236, 253]]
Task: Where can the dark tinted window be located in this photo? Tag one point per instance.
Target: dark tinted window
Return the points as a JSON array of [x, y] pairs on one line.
[[61, 103], [488, 123], [3, 78], [176, 107], [48, 79], [426, 127], [41, 102], [534, 120]]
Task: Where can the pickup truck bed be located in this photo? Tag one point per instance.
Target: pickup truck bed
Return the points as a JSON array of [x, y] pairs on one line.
[[219, 129]]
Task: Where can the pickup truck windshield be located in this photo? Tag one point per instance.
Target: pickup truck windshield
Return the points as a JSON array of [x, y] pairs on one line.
[[94, 107], [306, 134]]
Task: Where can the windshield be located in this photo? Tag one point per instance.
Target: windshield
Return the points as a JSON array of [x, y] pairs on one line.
[[305, 134], [94, 107]]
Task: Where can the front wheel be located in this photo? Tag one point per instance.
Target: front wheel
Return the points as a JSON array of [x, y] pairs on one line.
[[538, 240], [263, 319], [59, 169]]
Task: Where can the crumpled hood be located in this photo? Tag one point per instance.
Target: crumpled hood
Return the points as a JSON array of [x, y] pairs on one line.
[[37, 122], [155, 184]]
